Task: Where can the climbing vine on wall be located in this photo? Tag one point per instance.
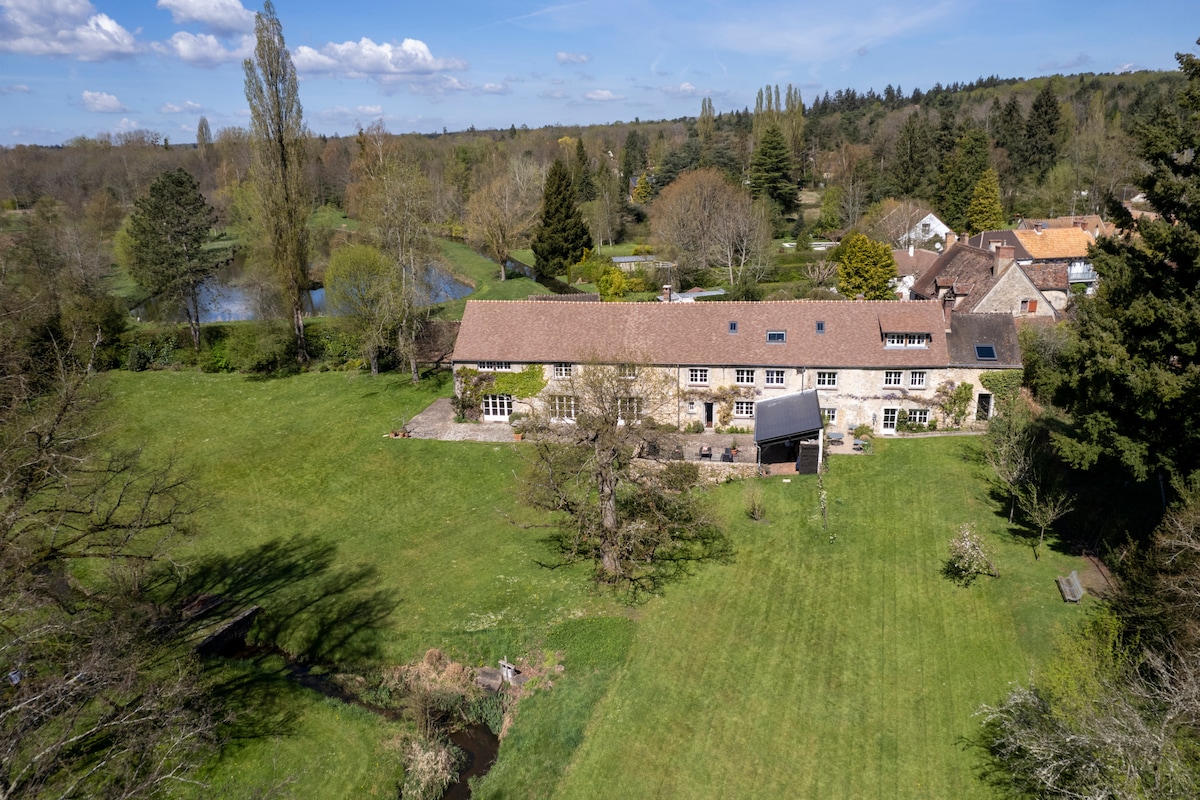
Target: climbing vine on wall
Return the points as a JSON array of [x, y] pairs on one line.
[[1005, 386], [724, 398]]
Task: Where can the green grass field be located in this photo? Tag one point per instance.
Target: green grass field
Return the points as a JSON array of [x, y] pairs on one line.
[[807, 668]]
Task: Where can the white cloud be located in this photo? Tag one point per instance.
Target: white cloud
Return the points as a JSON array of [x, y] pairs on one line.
[[602, 96], [14, 88], [365, 58], [572, 58], [553, 94], [684, 89], [103, 102], [495, 88], [220, 16], [127, 124], [188, 107], [204, 49], [372, 111], [62, 28]]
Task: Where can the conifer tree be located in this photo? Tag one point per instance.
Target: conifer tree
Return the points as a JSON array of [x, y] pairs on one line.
[[585, 189], [770, 170], [963, 169], [561, 236], [865, 267], [166, 237], [909, 170], [1043, 133], [985, 213]]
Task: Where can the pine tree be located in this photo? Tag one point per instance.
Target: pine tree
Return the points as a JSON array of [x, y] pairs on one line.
[[562, 236], [633, 158], [1043, 133], [1009, 130], [963, 169], [909, 170], [166, 250], [585, 189], [985, 213], [771, 168]]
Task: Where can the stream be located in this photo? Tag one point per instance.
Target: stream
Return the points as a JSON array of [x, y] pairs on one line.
[[477, 742]]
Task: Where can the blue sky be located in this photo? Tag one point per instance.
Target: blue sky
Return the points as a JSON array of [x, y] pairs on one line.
[[80, 67]]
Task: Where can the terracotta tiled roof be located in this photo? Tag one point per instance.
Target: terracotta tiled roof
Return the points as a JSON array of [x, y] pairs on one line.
[[1090, 223], [698, 334], [967, 269], [917, 264], [1047, 277], [1055, 243]]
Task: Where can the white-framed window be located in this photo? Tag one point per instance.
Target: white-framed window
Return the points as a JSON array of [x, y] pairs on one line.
[[497, 406], [776, 337], [698, 375], [744, 377], [906, 339], [495, 366], [774, 377], [892, 378], [916, 379], [564, 370], [629, 409], [827, 379], [889, 419], [743, 408], [627, 371], [918, 416], [830, 415], [562, 406]]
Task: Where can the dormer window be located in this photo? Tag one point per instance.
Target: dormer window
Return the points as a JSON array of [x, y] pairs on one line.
[[907, 339]]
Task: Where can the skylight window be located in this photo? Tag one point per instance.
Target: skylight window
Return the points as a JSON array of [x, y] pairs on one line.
[[732, 326], [820, 326], [776, 337], [985, 352]]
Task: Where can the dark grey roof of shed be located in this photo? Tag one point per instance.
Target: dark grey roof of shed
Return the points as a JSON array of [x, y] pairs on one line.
[[787, 417]]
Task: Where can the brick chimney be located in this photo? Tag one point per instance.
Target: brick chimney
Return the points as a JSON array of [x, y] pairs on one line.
[[1003, 257], [948, 301], [666, 293]]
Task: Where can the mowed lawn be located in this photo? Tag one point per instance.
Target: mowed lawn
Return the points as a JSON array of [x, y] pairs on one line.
[[806, 668], [812, 668], [305, 458]]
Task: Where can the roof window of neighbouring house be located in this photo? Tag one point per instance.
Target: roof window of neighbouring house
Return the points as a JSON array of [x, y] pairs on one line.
[[776, 337], [985, 352], [820, 326], [733, 326]]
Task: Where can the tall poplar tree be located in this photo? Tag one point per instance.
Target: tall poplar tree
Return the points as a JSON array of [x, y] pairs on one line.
[[280, 193], [562, 236]]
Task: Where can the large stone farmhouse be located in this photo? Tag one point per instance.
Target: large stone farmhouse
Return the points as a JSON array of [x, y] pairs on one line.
[[866, 360]]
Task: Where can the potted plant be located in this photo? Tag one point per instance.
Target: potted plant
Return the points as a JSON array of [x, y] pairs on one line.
[[733, 448], [514, 419]]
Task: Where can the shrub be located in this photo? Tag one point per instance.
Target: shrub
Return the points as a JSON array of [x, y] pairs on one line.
[[752, 497], [680, 476]]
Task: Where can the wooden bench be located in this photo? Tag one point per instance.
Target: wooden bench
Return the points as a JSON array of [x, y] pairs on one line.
[[1072, 590]]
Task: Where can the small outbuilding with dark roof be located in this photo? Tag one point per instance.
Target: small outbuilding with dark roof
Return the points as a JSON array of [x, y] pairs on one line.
[[788, 429]]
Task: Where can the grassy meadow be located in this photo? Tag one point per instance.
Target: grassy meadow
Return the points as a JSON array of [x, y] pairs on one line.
[[821, 662]]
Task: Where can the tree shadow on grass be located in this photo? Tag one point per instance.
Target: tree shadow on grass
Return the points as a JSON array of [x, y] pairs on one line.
[[312, 611]]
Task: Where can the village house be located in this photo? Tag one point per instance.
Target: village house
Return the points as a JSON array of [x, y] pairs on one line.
[[1055, 259], [867, 361], [970, 279]]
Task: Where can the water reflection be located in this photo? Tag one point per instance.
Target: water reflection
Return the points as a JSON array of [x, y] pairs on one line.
[[227, 298]]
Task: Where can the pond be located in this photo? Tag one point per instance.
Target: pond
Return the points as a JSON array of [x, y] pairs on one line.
[[226, 298]]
